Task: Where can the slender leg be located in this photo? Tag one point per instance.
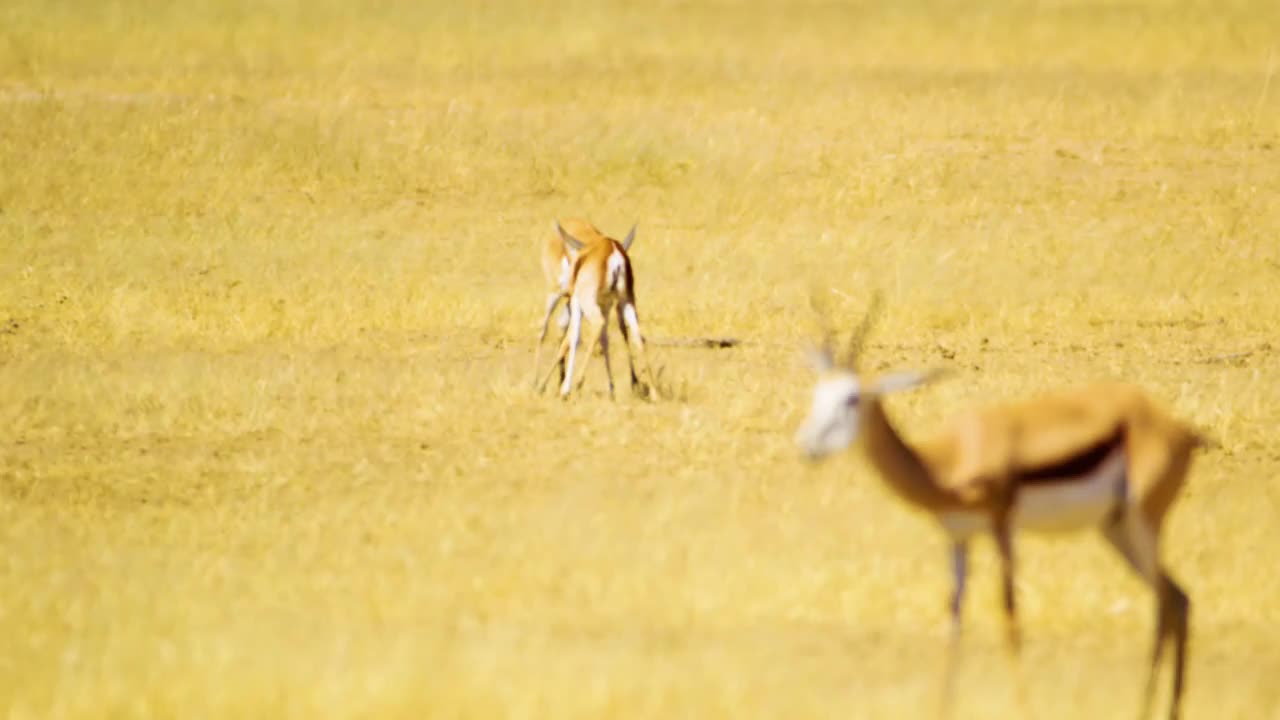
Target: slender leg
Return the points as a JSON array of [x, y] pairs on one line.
[[571, 343], [1129, 535], [562, 320], [604, 350], [1117, 534], [588, 312], [1177, 606], [1004, 543], [626, 340], [560, 356], [1157, 654], [959, 574], [632, 322], [563, 323], [553, 299]]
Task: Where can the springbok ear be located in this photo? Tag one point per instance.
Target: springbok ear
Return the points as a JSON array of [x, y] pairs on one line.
[[897, 382], [626, 244], [820, 359], [568, 239]]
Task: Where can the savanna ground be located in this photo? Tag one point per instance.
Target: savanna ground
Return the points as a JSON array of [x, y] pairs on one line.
[[269, 291]]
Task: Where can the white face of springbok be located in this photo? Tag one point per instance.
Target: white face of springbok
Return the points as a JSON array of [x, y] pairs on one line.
[[838, 399], [842, 394], [833, 418]]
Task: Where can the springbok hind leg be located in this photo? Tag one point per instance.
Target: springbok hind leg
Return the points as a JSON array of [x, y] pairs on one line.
[[1175, 607], [1129, 535], [626, 340], [635, 339]]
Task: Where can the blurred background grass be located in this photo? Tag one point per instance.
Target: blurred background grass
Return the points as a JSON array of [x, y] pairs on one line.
[[269, 292]]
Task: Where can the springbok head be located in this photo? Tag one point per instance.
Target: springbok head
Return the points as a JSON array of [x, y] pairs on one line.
[[842, 391]]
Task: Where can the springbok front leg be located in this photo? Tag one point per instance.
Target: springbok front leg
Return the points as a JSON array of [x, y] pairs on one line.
[[1003, 532], [1004, 544], [959, 576], [553, 300], [569, 339]]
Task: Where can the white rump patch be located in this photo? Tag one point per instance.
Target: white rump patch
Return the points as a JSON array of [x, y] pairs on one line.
[[616, 267], [1055, 506]]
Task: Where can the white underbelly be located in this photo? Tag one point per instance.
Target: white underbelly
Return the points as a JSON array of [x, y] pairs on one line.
[[1061, 506]]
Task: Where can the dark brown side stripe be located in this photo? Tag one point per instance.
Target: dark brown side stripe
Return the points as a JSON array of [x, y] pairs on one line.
[[1075, 466]]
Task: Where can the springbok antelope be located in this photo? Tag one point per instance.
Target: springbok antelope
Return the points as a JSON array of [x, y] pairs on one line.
[[558, 257], [601, 281], [1101, 456]]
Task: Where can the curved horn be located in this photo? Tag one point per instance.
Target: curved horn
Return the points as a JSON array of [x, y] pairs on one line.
[[858, 339], [626, 244], [825, 353], [899, 381], [568, 239]]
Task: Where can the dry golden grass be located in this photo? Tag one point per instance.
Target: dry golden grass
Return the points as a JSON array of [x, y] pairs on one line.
[[269, 292]]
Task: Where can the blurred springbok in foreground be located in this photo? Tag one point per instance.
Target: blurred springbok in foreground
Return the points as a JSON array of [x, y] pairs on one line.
[[1102, 456]]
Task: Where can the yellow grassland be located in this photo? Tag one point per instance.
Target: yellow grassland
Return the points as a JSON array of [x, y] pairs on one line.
[[269, 294]]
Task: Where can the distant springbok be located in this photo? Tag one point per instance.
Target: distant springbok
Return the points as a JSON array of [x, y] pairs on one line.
[[600, 280], [558, 257], [1102, 456]]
